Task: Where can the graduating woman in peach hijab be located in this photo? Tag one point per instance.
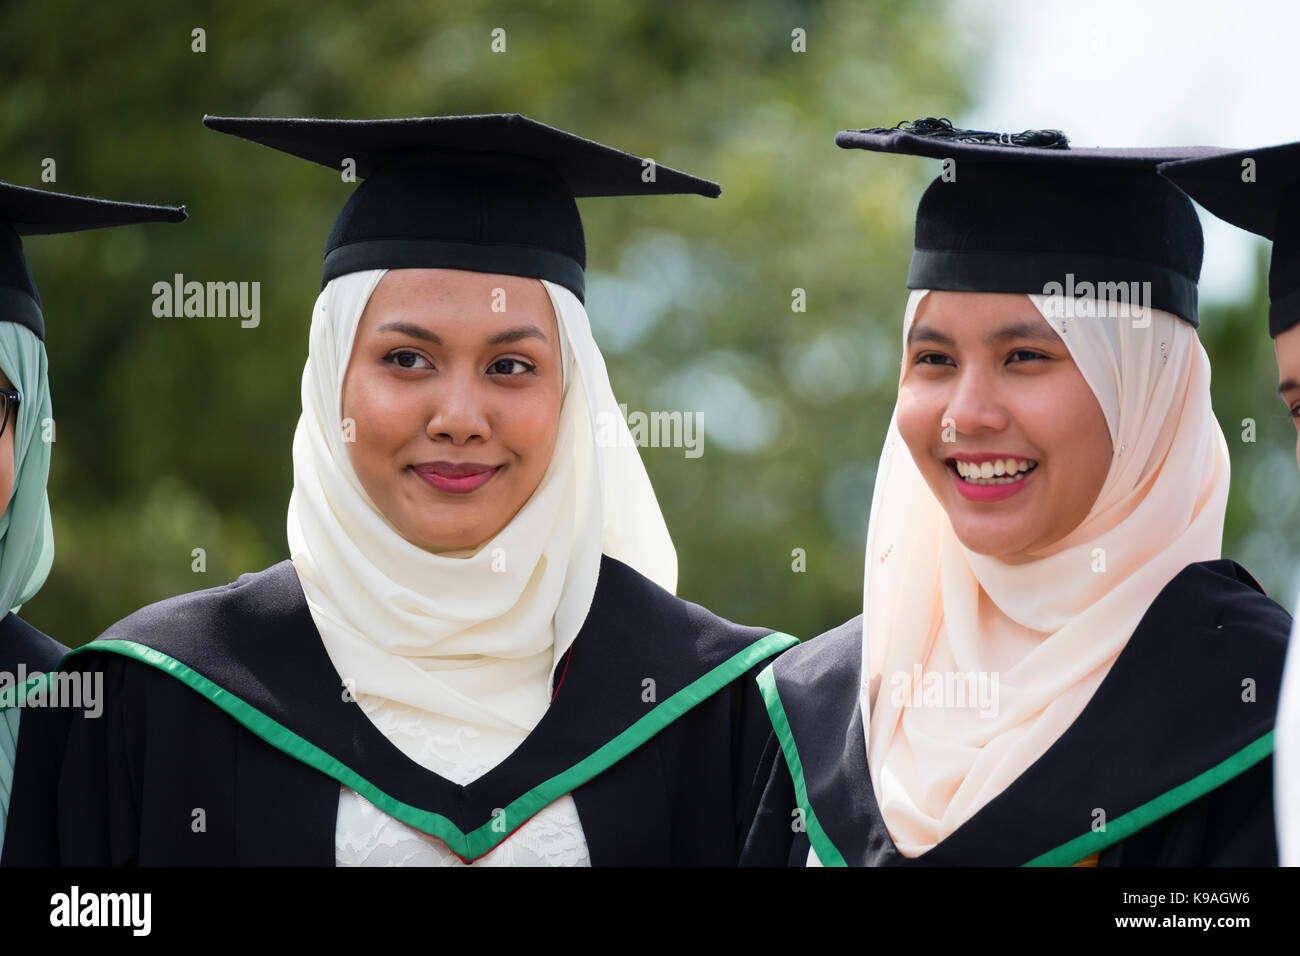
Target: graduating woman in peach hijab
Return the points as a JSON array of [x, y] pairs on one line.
[[1054, 664]]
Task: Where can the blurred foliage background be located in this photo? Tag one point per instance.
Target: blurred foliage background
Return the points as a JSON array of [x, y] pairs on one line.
[[174, 434]]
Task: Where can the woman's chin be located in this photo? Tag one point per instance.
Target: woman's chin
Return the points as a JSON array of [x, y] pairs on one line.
[[1004, 534], [463, 547], [436, 538], [984, 537], [462, 524]]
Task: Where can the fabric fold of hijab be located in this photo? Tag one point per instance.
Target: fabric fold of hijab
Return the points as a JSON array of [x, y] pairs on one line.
[[1036, 637], [469, 638], [26, 533]]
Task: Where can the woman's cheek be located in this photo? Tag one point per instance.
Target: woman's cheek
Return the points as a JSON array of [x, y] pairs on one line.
[[1078, 444], [529, 425], [380, 411], [367, 431], [7, 470], [915, 423]]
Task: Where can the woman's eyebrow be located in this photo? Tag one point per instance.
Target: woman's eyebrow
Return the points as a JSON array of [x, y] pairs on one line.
[[420, 332], [1016, 330], [1023, 330], [1288, 385], [411, 329], [517, 333], [924, 333]]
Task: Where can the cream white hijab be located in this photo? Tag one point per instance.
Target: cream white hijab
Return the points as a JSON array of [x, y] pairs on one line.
[[1049, 629], [469, 638]]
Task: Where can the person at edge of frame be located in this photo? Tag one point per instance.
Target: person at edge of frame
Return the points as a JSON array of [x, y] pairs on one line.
[[26, 422], [1259, 190]]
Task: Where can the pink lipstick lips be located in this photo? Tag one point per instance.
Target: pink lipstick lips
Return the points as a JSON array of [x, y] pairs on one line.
[[988, 477], [457, 478]]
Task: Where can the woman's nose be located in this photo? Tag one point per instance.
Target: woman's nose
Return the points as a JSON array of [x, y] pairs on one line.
[[458, 414], [975, 403]]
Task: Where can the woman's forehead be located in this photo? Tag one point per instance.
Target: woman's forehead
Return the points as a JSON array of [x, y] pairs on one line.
[[460, 302], [1287, 347], [986, 316]]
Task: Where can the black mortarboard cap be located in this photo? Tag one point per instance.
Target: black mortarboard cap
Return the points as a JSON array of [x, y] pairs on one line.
[[34, 212], [1262, 197], [1027, 210], [489, 193]]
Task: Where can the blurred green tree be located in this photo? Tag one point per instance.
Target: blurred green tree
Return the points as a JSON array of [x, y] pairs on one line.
[[174, 433]]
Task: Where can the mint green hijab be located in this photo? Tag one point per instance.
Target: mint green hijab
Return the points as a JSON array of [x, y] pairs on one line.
[[26, 535]]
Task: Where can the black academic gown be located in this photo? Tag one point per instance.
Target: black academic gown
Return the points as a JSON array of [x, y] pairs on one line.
[[1169, 763], [23, 649], [24, 653], [226, 733]]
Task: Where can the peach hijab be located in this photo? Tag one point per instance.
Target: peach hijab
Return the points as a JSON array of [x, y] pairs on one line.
[[1049, 629]]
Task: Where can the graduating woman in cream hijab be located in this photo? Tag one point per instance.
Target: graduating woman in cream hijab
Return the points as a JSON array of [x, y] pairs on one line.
[[474, 653], [26, 536], [1054, 665]]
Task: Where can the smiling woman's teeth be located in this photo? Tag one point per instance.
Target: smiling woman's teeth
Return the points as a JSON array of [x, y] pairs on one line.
[[1003, 471]]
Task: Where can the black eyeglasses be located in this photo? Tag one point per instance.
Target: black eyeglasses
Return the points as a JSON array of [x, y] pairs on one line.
[[9, 398]]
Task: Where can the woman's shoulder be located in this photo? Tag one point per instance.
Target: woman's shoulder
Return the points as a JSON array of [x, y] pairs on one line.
[[250, 643], [212, 621], [829, 660], [269, 591], [811, 691], [626, 600], [1223, 596], [23, 644]]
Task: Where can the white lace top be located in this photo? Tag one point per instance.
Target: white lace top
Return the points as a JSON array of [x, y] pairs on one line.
[[366, 836]]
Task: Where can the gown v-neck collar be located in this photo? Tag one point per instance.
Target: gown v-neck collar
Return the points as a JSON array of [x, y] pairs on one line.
[[641, 660]]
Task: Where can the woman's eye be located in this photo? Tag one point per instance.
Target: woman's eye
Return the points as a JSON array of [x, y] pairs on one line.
[[1295, 412], [933, 358], [511, 366], [407, 359], [1028, 355]]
